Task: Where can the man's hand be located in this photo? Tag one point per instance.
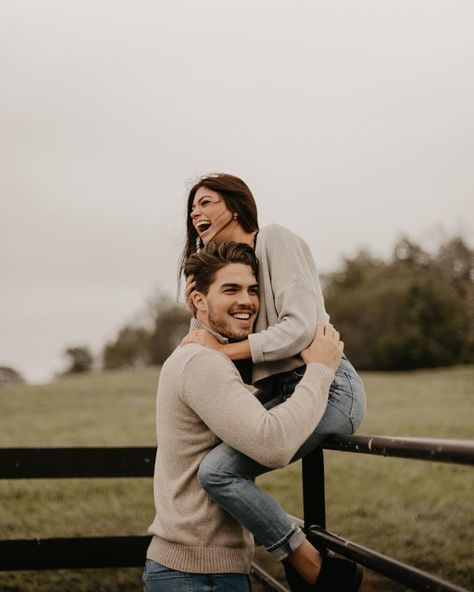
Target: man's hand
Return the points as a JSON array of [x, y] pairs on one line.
[[188, 290], [202, 337], [326, 348]]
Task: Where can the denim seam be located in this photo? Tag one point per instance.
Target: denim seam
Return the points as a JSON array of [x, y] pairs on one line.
[[351, 414], [283, 540]]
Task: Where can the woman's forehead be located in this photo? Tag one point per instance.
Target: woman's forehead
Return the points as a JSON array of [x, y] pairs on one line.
[[205, 192]]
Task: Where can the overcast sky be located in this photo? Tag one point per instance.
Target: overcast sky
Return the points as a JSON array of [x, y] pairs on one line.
[[351, 120]]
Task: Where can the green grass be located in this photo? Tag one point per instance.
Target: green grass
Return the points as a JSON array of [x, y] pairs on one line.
[[416, 511]]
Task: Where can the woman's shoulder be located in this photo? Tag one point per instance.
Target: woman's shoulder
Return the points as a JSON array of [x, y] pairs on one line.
[[279, 233]]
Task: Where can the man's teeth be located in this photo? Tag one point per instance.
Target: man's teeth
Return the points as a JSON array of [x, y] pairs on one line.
[[242, 315]]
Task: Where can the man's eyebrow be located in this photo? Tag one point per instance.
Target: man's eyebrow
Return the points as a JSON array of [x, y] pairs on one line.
[[231, 285]]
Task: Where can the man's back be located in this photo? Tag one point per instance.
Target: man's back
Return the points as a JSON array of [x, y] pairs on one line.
[[191, 533]]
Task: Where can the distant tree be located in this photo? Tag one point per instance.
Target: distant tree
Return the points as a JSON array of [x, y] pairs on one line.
[[80, 359], [163, 324], [131, 349], [10, 376], [170, 325], [416, 310]]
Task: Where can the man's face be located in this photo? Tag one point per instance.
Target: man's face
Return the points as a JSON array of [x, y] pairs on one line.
[[232, 302]]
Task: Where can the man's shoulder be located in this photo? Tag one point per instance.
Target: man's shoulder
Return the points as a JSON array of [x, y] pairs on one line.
[[196, 356]]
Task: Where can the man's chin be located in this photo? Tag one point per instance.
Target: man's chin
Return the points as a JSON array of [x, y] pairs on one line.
[[238, 335], [231, 333]]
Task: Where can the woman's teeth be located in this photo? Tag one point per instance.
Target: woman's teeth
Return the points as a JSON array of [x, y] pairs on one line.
[[203, 226]]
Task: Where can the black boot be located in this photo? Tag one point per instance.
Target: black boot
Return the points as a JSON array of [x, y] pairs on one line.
[[337, 575]]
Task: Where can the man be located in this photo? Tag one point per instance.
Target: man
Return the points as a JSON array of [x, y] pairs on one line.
[[202, 400]]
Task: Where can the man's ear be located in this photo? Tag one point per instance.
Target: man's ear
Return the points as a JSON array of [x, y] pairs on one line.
[[199, 301]]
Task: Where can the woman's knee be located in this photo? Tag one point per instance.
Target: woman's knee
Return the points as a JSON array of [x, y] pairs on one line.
[[208, 475]]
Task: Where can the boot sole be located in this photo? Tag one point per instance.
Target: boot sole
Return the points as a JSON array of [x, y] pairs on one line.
[[357, 581]]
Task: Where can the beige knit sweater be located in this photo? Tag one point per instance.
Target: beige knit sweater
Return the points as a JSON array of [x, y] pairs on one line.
[[291, 302], [201, 400]]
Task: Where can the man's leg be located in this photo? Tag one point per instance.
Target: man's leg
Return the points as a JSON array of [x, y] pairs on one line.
[[158, 578]]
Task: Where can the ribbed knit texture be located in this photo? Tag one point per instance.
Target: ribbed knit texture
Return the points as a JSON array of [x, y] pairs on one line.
[[202, 400], [291, 302]]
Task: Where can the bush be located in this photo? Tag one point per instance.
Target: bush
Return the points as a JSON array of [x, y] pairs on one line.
[[411, 312]]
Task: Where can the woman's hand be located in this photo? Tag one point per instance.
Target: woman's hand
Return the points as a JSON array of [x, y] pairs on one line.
[[188, 291], [202, 337]]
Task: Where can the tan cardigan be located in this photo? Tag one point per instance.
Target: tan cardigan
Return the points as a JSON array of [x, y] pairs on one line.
[[291, 302], [202, 400]]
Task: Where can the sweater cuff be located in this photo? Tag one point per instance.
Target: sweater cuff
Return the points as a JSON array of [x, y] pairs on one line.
[[320, 373], [256, 348]]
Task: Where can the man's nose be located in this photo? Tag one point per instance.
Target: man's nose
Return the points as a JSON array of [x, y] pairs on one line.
[[245, 299]]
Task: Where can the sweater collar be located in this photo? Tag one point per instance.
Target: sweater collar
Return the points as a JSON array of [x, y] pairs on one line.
[[195, 324]]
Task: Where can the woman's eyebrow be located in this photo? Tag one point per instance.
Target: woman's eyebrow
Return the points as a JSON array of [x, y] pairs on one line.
[[193, 205]]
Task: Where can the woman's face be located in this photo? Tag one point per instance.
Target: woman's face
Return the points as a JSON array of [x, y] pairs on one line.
[[211, 217]]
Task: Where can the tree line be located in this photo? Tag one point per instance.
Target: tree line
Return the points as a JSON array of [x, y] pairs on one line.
[[413, 310]]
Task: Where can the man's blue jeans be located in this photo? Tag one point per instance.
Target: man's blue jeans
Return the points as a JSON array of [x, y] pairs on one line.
[[228, 475], [158, 578]]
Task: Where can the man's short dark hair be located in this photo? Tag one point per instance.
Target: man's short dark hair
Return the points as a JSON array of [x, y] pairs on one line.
[[204, 264]]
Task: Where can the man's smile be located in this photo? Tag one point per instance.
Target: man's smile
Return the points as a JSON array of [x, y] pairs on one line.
[[243, 317]]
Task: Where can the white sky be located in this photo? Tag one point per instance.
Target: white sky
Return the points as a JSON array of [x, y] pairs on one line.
[[351, 120]]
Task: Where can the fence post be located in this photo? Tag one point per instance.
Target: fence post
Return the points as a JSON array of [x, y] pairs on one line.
[[314, 503]]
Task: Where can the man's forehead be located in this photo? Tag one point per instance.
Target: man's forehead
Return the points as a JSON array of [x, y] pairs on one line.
[[235, 273]]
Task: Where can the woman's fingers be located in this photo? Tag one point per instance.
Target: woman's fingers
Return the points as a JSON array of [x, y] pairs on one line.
[[190, 285], [188, 290]]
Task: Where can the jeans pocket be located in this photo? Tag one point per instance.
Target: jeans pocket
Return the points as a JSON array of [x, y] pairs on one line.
[[299, 372], [158, 578], [347, 394]]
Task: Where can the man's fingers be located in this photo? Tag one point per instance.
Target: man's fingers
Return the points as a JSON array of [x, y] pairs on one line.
[[320, 328]]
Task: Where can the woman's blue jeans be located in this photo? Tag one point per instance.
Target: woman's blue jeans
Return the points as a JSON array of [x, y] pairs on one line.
[[228, 476], [158, 578]]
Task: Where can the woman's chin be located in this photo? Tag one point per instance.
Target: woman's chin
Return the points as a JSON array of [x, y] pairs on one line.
[[207, 239]]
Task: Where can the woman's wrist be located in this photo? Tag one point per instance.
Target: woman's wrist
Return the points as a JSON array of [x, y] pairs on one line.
[[239, 350]]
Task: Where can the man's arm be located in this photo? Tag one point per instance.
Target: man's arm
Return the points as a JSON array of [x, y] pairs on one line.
[[213, 388]]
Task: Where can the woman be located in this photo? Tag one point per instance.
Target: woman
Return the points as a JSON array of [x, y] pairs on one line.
[[221, 207]]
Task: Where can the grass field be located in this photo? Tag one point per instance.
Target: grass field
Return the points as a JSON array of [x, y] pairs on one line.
[[416, 511]]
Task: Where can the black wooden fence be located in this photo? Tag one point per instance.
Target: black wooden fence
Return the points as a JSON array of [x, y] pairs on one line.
[[129, 551]]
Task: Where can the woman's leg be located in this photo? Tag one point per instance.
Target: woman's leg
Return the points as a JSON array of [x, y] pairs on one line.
[[228, 475], [345, 409]]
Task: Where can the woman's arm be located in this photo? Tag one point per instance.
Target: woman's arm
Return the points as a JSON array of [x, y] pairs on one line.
[[239, 350], [291, 295], [294, 296]]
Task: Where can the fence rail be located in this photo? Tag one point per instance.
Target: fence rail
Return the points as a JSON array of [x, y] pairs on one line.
[[129, 551], [440, 450]]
